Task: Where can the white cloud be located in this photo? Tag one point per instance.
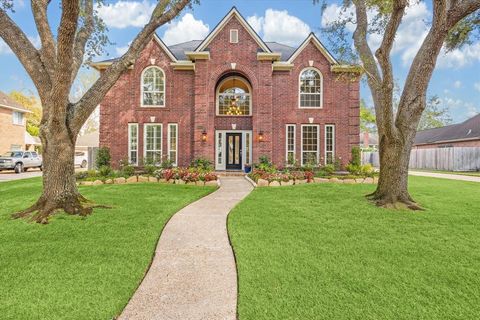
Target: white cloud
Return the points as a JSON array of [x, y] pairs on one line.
[[186, 29], [278, 25], [459, 58], [123, 14], [121, 50], [4, 48], [457, 84], [476, 85]]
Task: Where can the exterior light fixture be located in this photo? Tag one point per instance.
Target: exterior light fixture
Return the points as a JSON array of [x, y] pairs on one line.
[[204, 135], [260, 136]]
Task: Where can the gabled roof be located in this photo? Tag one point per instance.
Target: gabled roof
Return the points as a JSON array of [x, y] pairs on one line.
[[467, 130], [233, 13], [164, 47], [9, 103], [312, 37]]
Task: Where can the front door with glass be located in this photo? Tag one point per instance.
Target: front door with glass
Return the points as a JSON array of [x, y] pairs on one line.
[[234, 151]]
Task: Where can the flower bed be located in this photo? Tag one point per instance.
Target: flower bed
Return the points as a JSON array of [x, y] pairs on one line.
[[195, 176]]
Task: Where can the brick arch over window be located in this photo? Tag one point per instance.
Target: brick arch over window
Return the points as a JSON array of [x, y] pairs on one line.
[[152, 87], [233, 95]]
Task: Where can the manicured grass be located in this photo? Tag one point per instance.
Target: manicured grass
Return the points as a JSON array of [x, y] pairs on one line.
[[461, 173], [322, 252], [76, 268]]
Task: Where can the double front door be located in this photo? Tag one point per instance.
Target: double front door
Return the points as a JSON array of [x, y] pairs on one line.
[[234, 151]]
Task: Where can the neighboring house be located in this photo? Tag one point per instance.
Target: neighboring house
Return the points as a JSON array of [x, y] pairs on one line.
[[232, 98], [84, 149], [465, 134], [31, 142], [369, 141], [12, 124]]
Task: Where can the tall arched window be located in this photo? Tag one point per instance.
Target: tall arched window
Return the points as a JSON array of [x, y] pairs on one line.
[[153, 87], [311, 88], [233, 97]]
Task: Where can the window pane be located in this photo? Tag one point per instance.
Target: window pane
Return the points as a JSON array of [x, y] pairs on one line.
[[309, 145], [310, 89], [153, 142], [153, 87]]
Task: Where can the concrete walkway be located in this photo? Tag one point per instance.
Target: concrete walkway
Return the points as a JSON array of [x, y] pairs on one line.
[[193, 274], [444, 176]]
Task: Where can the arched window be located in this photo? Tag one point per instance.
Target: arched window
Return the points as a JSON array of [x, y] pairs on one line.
[[153, 87], [311, 88], [233, 97]]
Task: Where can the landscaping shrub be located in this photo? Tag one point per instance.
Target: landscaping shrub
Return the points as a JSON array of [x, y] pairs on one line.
[[103, 157], [126, 169], [356, 156], [202, 163], [166, 164], [81, 175], [105, 171], [265, 165], [149, 166]]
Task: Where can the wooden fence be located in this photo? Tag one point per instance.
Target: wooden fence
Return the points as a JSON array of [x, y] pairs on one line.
[[449, 159]]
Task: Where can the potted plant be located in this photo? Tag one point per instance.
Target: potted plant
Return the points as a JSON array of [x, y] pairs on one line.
[[247, 168]]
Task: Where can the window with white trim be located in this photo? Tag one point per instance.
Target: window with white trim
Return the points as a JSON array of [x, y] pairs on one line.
[[329, 143], [152, 142], [290, 144], [133, 143], [311, 89], [310, 145], [17, 118], [233, 97], [173, 143], [233, 36], [153, 87]]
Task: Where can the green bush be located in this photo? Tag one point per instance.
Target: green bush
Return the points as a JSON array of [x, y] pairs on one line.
[[91, 173], [264, 164], [126, 169], [166, 164], [367, 170], [105, 171], [103, 157], [202, 163], [356, 156], [81, 175]]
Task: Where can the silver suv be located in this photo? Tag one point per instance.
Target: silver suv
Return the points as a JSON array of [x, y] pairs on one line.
[[20, 161]]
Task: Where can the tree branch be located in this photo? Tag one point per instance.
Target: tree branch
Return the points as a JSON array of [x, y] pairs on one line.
[[65, 43], [47, 52], [26, 53], [82, 36], [91, 99], [460, 10]]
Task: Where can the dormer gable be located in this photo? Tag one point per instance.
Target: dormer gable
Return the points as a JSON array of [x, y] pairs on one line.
[[233, 13], [313, 39]]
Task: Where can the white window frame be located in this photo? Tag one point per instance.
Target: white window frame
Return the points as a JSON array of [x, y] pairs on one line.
[[300, 84], [333, 142], [217, 95], [131, 125], [294, 142], [145, 140], [164, 89], [17, 118], [318, 142], [232, 38], [169, 147]]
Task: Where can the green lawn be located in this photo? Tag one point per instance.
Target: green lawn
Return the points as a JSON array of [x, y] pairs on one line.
[[76, 268], [322, 252]]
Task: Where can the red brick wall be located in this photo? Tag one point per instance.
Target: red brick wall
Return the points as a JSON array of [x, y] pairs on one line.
[[191, 102]]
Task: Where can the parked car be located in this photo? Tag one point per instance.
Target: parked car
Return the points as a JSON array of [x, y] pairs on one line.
[[20, 161], [81, 159]]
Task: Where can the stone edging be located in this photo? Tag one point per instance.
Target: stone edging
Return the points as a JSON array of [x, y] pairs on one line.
[[137, 179], [251, 181], [265, 183]]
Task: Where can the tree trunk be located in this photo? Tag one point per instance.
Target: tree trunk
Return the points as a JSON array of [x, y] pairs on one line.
[[392, 188], [59, 186]]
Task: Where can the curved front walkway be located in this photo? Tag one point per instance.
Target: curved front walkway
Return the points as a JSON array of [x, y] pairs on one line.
[[193, 274]]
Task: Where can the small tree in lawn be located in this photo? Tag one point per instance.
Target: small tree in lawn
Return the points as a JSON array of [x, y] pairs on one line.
[[53, 69], [453, 23]]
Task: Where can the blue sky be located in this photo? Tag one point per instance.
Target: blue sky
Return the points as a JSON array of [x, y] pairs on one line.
[[456, 80]]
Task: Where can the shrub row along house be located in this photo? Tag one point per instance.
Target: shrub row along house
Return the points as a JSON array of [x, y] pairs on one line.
[[232, 98]]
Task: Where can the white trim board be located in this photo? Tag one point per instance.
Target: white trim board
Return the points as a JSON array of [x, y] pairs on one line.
[[318, 44]]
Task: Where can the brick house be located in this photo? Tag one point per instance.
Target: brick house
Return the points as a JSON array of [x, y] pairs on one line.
[[464, 134], [232, 98], [12, 124]]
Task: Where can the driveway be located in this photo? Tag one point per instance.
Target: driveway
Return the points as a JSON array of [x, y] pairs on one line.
[[444, 176], [10, 175]]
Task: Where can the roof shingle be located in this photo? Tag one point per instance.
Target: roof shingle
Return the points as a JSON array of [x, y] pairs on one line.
[[466, 130]]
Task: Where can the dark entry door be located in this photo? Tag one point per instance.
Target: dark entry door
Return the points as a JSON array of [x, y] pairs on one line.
[[234, 151]]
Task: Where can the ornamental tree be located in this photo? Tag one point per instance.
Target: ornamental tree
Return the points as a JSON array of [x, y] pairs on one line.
[[454, 23], [53, 68]]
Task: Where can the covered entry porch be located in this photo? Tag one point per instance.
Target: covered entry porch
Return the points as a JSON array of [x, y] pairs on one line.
[[233, 149]]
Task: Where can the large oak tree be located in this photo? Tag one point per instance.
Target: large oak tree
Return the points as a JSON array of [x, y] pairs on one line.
[[53, 69], [452, 24]]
